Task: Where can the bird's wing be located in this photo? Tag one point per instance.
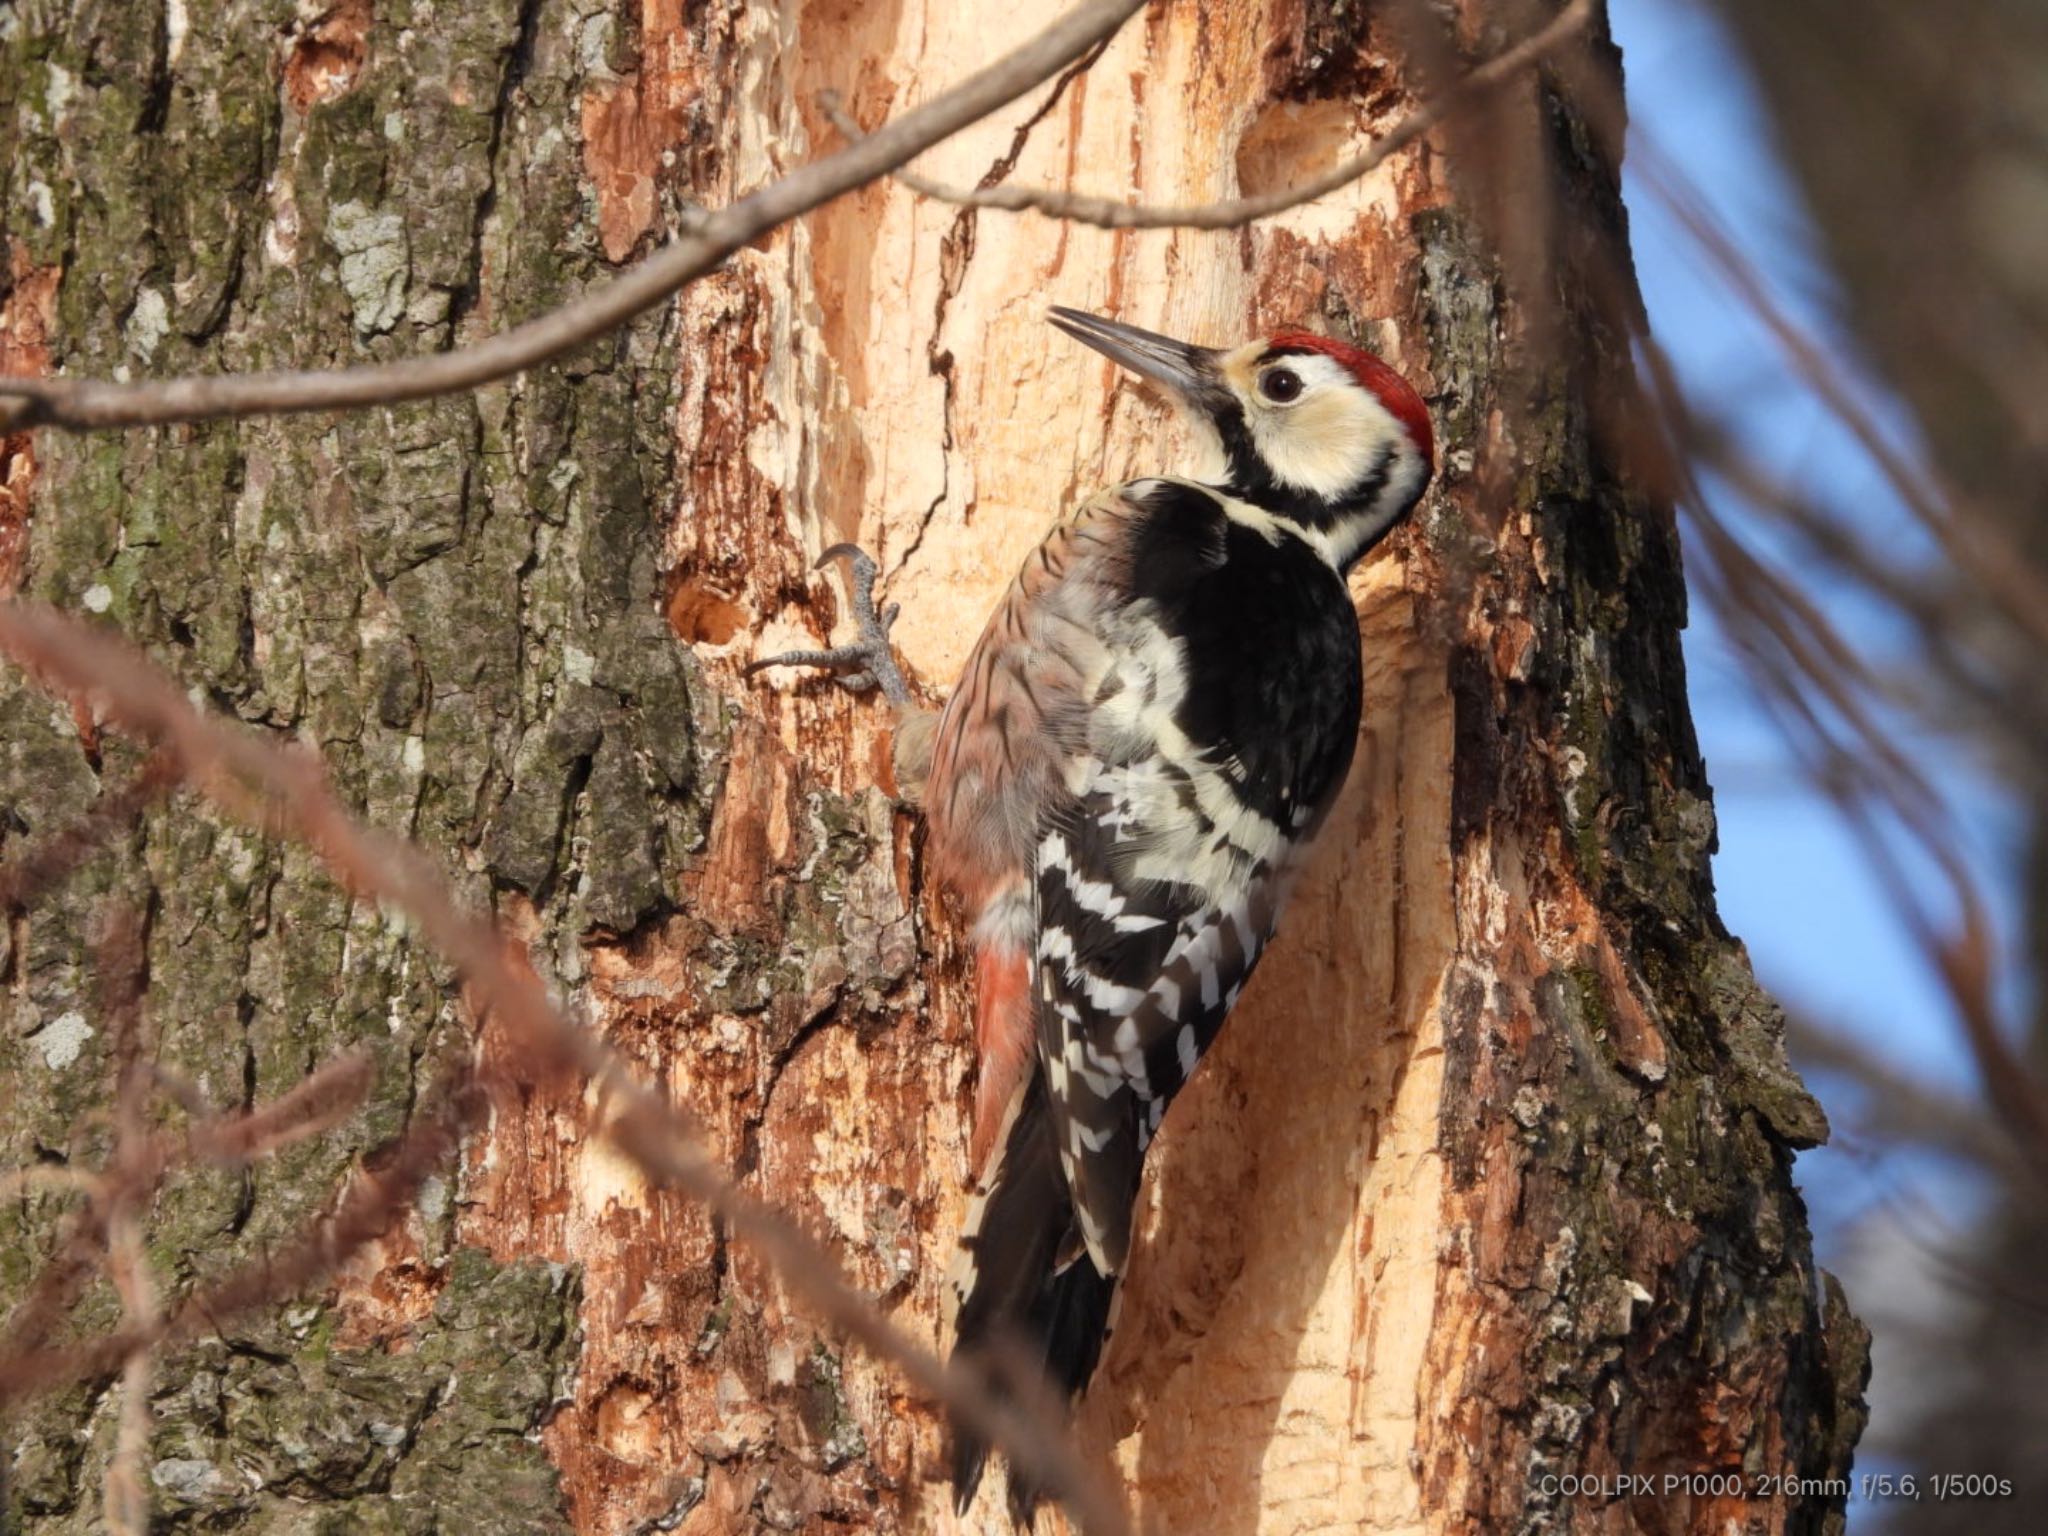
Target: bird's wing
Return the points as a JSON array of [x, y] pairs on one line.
[[1155, 892], [1003, 758], [1019, 712]]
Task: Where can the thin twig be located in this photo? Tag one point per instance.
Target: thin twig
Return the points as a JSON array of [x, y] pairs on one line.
[[53, 1178], [1911, 1112], [365, 1212], [698, 249], [121, 960], [1233, 213], [124, 1496], [1869, 767], [310, 1108], [57, 1286], [1798, 658]]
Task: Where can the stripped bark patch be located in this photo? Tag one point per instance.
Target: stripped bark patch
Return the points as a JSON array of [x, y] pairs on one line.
[[629, 124], [327, 56], [26, 311]]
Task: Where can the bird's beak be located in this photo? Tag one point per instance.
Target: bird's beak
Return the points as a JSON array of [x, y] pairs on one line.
[[1189, 371]]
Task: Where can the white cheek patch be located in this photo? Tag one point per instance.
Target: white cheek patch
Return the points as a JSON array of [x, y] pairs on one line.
[[1326, 444]]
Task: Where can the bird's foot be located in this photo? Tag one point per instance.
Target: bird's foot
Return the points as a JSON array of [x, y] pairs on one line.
[[866, 661]]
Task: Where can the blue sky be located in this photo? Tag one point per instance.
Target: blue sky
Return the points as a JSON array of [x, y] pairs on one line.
[[1791, 879]]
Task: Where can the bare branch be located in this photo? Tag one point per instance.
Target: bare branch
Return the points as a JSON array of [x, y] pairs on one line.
[[1979, 546], [1866, 769], [1113, 213], [310, 1109], [93, 403]]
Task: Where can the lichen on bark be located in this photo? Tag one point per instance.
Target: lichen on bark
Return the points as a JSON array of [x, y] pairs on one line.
[[272, 1427]]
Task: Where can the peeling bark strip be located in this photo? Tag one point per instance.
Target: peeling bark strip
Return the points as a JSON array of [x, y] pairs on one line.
[[27, 306], [1487, 1184]]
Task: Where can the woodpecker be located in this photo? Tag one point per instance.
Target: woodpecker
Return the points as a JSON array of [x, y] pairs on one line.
[[1122, 789]]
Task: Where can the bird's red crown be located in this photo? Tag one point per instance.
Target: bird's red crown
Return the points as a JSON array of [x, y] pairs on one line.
[[1392, 391]]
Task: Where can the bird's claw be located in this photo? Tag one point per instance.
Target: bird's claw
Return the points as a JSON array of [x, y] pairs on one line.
[[867, 661]]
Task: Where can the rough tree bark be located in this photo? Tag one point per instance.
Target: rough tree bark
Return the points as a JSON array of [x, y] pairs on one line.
[[1489, 1180]]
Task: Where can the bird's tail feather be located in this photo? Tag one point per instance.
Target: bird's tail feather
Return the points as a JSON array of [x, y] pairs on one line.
[[1023, 1286]]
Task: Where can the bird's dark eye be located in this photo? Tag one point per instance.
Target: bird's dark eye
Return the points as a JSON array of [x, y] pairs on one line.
[[1280, 384]]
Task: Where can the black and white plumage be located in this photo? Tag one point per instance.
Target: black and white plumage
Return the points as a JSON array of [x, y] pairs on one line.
[[1193, 792], [1125, 784], [1121, 790]]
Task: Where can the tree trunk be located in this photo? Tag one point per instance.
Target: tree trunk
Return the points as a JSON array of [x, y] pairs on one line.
[[1487, 1185]]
